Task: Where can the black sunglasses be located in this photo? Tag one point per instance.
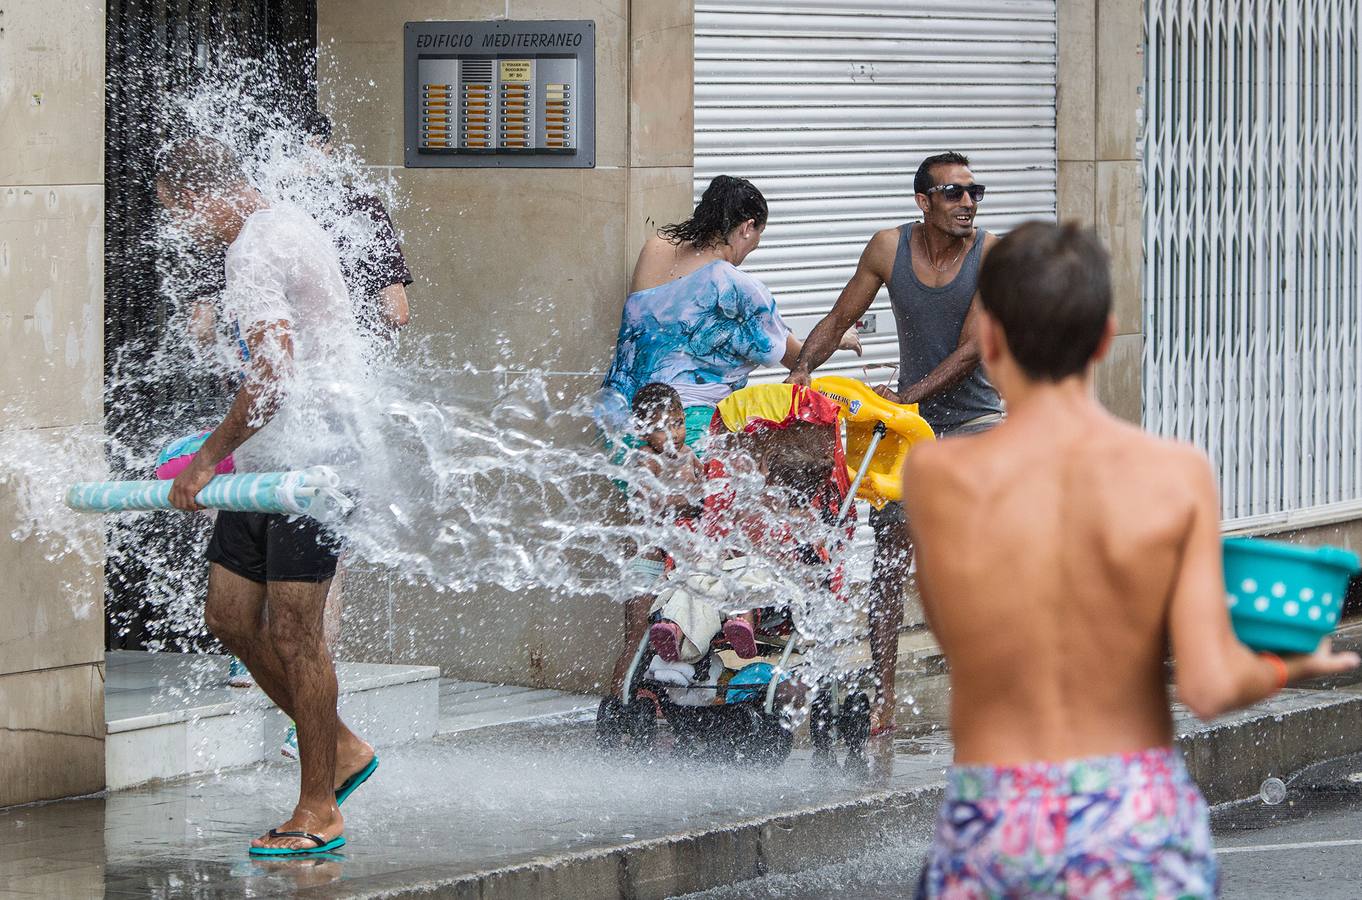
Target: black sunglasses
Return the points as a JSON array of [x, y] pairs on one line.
[[953, 192]]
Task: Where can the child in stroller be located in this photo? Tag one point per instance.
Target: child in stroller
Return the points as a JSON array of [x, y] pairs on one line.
[[775, 478]]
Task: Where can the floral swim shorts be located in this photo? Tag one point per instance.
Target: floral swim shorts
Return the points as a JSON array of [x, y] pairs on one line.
[[1130, 825]]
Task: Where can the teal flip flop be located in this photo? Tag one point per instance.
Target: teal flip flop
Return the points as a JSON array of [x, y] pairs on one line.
[[355, 780], [323, 845]]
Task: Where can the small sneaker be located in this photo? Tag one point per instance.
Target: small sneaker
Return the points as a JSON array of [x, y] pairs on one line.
[[741, 638], [290, 746], [238, 675], [666, 640]]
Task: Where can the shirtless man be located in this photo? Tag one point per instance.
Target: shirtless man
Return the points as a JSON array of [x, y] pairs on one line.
[[1061, 555], [931, 270]]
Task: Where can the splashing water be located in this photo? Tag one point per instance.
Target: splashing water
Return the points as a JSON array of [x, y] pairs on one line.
[[459, 488]]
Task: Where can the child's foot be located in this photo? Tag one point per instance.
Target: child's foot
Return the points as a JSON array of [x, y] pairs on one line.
[[666, 640], [741, 637]]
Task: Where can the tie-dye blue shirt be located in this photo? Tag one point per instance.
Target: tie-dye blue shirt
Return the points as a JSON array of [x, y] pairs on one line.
[[703, 334]]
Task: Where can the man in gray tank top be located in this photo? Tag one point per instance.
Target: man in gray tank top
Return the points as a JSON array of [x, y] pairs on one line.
[[932, 270]]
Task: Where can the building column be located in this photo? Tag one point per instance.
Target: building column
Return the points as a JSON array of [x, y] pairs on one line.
[[51, 390], [1099, 95]]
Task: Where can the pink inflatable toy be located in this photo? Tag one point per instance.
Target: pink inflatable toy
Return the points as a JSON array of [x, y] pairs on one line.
[[175, 458]]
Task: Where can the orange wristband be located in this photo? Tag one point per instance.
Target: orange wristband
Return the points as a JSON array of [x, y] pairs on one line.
[[1279, 666]]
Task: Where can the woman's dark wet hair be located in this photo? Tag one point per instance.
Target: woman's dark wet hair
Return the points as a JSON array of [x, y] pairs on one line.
[[726, 204], [1049, 288]]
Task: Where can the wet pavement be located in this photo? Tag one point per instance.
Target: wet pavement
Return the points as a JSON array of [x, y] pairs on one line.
[[459, 804]]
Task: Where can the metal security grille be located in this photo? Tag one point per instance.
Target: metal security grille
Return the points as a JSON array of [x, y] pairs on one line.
[[154, 48], [1251, 230], [829, 107]]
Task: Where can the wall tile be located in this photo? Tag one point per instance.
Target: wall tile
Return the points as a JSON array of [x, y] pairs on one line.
[[1120, 224], [1120, 77], [662, 97], [51, 611], [52, 105], [1118, 378], [1076, 98], [650, 16], [657, 197], [51, 733], [1077, 201], [526, 269], [51, 320], [566, 643]]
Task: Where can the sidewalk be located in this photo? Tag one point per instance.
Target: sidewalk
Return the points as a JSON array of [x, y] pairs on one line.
[[536, 811], [533, 809], [434, 812]]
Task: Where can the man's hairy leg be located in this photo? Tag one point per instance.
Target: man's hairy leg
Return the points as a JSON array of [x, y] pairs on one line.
[[236, 615], [889, 577], [295, 610]]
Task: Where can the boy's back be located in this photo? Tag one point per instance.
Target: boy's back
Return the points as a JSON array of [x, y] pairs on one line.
[[1062, 556], [1048, 550]]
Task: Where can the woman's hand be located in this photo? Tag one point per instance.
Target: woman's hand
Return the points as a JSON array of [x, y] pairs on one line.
[[851, 341]]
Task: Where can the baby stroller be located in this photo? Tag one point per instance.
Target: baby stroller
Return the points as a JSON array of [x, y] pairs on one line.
[[721, 709]]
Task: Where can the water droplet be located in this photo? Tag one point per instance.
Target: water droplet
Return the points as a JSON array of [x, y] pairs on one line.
[[1272, 791]]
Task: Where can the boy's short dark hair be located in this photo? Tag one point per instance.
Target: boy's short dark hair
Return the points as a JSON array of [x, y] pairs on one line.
[[1049, 287], [654, 400], [199, 166], [923, 180]]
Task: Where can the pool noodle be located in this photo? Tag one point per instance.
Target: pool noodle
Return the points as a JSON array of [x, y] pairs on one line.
[[283, 493]]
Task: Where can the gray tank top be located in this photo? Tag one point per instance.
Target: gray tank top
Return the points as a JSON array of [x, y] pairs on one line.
[[929, 322]]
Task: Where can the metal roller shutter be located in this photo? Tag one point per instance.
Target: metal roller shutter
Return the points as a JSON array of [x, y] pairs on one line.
[[829, 107]]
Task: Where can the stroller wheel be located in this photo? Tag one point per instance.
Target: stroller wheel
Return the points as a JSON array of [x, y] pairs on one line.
[[621, 727], [611, 728], [765, 741], [820, 729], [641, 721]]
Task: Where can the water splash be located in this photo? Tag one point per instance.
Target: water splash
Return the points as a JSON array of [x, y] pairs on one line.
[[461, 485]]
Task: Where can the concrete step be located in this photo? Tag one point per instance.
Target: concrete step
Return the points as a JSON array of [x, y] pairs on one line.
[[470, 705], [172, 714]]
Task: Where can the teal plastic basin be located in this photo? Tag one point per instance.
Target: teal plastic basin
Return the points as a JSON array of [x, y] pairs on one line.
[[1284, 598]]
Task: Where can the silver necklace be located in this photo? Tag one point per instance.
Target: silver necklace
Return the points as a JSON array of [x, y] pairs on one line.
[[927, 252]]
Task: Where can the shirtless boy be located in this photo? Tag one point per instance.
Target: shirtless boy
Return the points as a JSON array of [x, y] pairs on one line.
[[1061, 556]]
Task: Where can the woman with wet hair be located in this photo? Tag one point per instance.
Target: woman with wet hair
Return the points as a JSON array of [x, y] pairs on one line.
[[693, 320]]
